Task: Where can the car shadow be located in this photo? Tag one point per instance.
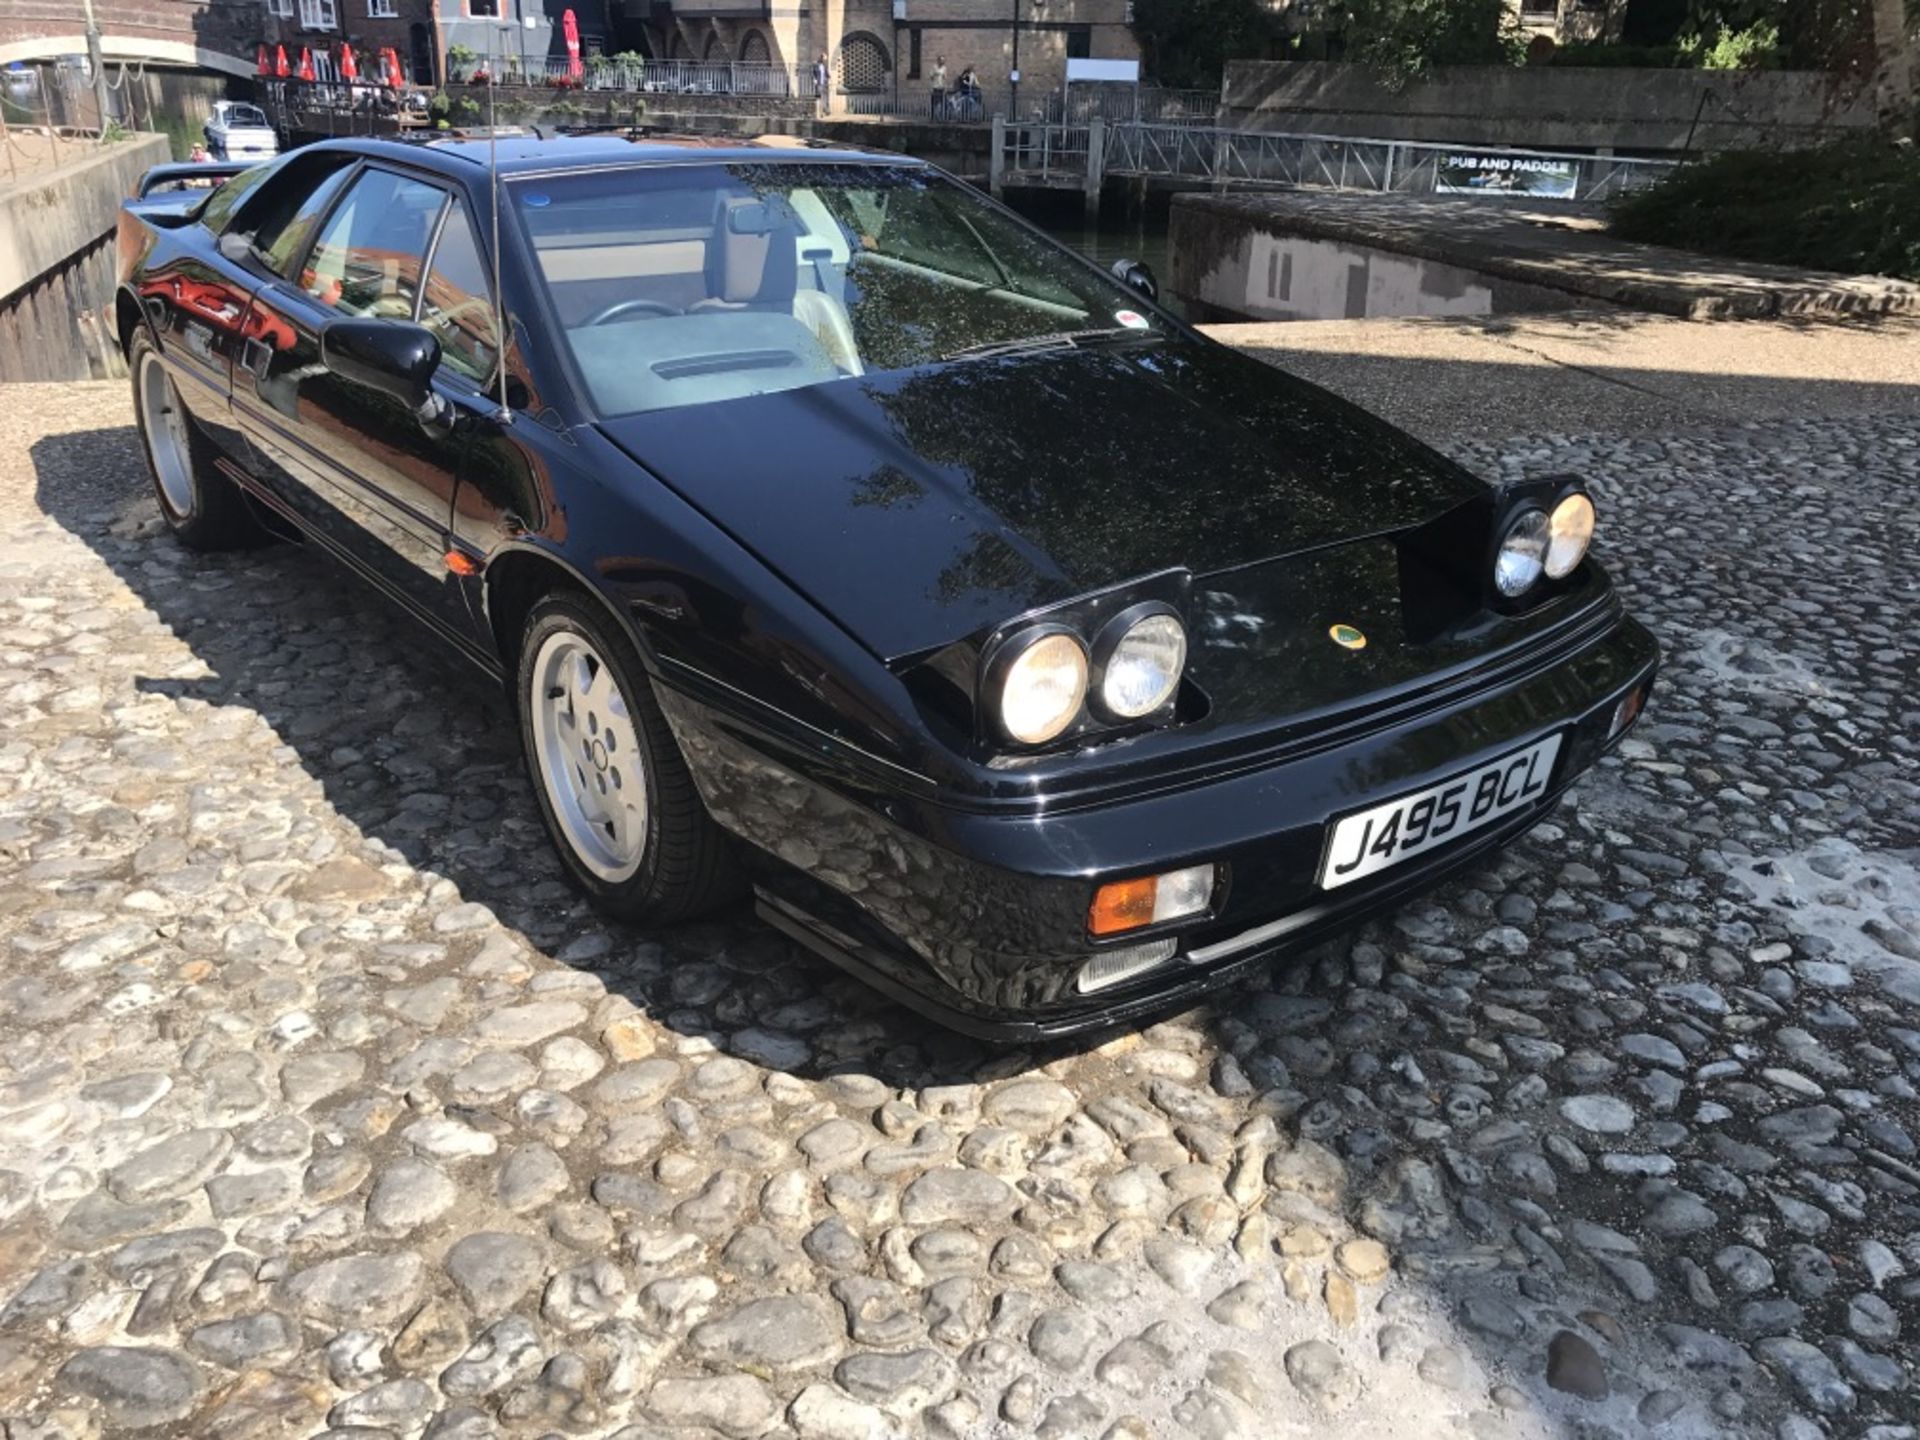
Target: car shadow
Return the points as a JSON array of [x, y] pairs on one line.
[[419, 752]]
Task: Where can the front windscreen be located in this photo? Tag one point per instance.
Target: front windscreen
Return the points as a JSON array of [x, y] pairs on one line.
[[686, 284]]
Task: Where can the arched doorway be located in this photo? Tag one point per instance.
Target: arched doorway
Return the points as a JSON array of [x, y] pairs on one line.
[[678, 49], [862, 66], [754, 50], [716, 51]]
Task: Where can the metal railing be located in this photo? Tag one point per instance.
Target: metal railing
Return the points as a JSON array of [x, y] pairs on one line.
[[696, 87], [340, 107], [1131, 104], [917, 100], [600, 72], [1339, 162], [641, 77], [1048, 152]]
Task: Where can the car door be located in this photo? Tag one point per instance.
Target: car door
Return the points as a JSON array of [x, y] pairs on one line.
[[360, 470], [196, 296]]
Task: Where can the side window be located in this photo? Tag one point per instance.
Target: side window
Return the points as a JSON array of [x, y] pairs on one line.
[[458, 307], [370, 255], [220, 205], [279, 247], [265, 212]]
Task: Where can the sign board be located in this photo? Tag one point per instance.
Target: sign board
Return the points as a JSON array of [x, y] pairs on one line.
[[1495, 173], [1125, 72]]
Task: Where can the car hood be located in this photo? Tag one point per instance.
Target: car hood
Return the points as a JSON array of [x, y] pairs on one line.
[[921, 507]]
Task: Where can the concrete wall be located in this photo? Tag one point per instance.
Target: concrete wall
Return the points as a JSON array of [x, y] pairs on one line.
[[57, 262], [1546, 108]]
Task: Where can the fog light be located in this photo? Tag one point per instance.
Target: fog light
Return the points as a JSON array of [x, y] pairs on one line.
[[1113, 966], [1150, 900], [1626, 712]]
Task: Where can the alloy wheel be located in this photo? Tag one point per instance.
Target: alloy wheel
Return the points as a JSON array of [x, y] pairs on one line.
[[165, 423], [589, 756]]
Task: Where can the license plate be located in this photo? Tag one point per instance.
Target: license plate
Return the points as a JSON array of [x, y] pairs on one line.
[[1375, 839]]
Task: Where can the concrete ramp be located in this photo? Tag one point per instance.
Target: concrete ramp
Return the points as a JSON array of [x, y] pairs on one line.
[[1316, 256]]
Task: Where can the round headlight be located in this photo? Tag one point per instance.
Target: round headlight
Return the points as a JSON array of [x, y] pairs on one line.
[[1140, 665], [1523, 553], [1044, 688], [1569, 532]]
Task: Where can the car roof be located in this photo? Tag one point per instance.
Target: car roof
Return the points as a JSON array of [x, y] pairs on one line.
[[463, 153]]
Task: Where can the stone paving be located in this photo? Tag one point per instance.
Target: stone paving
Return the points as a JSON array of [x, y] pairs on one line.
[[325, 1107]]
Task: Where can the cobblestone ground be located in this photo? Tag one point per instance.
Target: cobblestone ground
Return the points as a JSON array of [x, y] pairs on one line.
[[325, 1107]]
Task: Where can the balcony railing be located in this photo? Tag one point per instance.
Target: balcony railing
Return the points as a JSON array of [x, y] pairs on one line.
[[700, 86]]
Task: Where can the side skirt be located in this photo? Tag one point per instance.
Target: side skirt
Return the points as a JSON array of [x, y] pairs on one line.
[[282, 516]]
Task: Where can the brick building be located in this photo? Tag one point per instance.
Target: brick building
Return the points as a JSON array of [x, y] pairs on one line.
[[874, 44], [370, 26]]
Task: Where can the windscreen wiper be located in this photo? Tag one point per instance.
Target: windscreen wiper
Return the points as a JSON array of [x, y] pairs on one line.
[[1058, 340]]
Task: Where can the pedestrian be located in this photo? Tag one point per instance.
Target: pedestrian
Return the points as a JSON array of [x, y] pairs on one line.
[[198, 155], [822, 79], [939, 84], [968, 95]]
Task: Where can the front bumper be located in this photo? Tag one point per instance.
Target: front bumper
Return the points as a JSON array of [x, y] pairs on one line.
[[979, 919]]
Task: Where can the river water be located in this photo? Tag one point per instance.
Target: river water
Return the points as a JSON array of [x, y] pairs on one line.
[[1120, 234]]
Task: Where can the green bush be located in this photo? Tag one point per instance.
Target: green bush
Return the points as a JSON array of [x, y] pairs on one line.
[[1755, 48], [1852, 206]]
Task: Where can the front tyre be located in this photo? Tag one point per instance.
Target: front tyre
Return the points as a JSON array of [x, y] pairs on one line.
[[614, 791], [200, 505]]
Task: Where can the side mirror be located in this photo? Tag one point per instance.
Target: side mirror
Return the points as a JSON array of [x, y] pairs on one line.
[[1139, 275], [235, 246], [395, 357]]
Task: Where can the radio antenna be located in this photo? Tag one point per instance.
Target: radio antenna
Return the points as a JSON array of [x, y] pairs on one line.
[[493, 194]]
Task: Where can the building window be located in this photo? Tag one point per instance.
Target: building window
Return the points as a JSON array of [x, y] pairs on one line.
[[864, 67], [319, 15], [381, 10], [282, 8], [1080, 42], [913, 53], [1540, 9], [483, 7]]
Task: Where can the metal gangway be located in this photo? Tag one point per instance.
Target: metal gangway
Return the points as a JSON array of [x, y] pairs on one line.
[[1066, 156]]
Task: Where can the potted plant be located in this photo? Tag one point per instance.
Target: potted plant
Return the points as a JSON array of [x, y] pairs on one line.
[[460, 64]]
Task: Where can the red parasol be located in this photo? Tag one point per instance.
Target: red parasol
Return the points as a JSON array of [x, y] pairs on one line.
[[306, 64], [395, 79], [570, 28], [349, 67], [280, 62], [262, 64]]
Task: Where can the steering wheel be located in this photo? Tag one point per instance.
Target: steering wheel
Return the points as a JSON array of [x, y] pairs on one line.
[[621, 307]]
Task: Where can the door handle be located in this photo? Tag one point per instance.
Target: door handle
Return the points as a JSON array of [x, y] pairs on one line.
[[257, 356]]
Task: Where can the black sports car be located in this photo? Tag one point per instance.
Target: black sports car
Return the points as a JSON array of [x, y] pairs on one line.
[[841, 538]]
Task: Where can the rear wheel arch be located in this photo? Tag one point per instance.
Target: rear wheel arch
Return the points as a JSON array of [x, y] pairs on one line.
[[128, 318]]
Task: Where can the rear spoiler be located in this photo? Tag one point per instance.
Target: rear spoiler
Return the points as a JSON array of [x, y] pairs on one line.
[[179, 173]]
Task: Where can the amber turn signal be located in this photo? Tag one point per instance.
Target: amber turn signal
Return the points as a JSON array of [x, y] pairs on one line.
[[1627, 711], [1123, 905]]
